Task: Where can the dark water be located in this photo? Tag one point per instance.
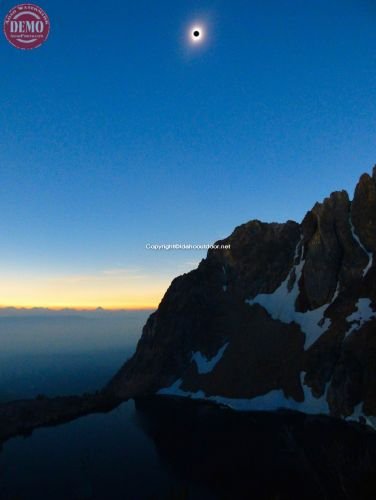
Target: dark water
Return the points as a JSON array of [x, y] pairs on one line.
[[168, 449], [105, 456], [165, 449], [99, 456]]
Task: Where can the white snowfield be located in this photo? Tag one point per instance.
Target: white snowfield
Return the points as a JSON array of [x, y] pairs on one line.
[[369, 254], [358, 412], [362, 314], [273, 400], [205, 365], [281, 305]]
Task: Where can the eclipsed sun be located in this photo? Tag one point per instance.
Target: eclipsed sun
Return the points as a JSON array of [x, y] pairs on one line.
[[196, 34]]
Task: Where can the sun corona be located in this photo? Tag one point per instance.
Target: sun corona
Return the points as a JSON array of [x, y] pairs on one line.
[[197, 34]]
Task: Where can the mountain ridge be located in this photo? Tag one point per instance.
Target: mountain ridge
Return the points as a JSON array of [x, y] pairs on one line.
[[294, 304], [283, 320]]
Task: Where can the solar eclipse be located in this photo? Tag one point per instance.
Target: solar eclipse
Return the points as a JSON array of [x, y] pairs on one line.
[[196, 34]]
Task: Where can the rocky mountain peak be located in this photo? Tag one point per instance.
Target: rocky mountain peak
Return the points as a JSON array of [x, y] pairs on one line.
[[286, 317]]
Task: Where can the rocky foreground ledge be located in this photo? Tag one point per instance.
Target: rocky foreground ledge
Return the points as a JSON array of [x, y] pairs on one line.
[[23, 416]]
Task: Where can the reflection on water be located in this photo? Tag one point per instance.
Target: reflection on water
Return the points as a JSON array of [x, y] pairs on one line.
[[161, 449], [102, 456], [262, 456], [173, 450]]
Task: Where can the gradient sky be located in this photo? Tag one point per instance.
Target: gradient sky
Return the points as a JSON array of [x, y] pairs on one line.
[[116, 133]]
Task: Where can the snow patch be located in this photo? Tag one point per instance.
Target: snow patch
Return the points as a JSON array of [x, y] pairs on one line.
[[175, 390], [358, 413], [363, 314], [369, 254], [281, 305], [205, 365], [273, 400]]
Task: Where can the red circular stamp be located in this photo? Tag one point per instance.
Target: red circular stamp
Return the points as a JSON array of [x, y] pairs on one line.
[[26, 26]]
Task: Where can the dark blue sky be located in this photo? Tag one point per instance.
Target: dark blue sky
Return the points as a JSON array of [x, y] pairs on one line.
[[117, 133]]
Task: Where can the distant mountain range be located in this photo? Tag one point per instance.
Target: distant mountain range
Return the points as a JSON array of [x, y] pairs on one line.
[[286, 318], [46, 312]]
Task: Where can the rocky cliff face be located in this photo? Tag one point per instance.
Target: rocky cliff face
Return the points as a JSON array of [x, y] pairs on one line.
[[285, 318]]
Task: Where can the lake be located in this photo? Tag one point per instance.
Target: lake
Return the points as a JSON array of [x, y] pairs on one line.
[[98, 456], [160, 448]]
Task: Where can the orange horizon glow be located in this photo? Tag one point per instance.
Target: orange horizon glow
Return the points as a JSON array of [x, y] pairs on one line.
[[109, 289]]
